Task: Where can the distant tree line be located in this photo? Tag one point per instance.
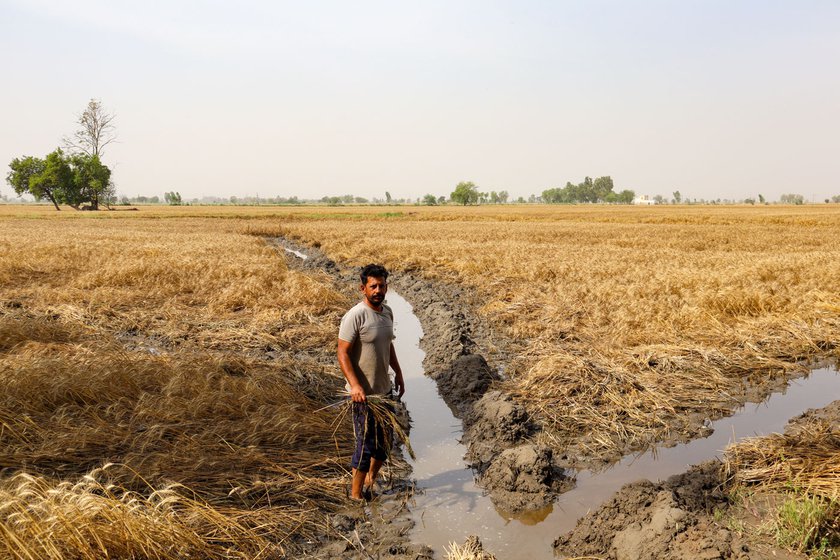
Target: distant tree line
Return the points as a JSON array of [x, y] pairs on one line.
[[466, 192], [588, 191], [792, 199]]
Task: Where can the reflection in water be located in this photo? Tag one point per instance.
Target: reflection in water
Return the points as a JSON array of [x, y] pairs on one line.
[[528, 517], [449, 507]]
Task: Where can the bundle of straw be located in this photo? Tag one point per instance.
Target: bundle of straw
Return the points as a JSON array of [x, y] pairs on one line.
[[384, 412]]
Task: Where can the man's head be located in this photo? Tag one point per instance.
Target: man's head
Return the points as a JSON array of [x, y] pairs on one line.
[[374, 286]]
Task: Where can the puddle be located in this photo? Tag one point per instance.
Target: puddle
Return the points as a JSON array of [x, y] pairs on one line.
[[451, 507]]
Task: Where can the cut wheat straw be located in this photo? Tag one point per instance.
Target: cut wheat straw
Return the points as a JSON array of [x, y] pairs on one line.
[[188, 358], [384, 412]]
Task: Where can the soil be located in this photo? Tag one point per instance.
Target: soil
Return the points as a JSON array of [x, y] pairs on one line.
[[377, 529], [686, 516]]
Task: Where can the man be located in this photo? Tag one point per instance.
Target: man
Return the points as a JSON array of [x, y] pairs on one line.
[[365, 350]]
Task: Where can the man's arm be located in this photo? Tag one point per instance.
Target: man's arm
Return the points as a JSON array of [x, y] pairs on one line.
[[357, 393], [398, 377]]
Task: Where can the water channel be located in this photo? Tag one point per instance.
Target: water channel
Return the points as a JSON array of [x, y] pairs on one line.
[[449, 506]]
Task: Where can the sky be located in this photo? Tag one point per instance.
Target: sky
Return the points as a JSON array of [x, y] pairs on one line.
[[715, 99]]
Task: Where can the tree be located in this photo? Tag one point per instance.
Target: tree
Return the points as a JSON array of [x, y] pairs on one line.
[[91, 181], [626, 196], [792, 199], [22, 171], [503, 197], [659, 199], [556, 195], [172, 198], [465, 193], [835, 198], [441, 200], [109, 195], [761, 199], [50, 178], [601, 188], [96, 130], [430, 200], [387, 197], [677, 197]]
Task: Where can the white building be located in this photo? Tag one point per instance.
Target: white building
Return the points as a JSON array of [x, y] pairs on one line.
[[644, 200]]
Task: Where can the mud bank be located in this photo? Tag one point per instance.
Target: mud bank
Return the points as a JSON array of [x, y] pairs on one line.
[[518, 474], [689, 515]]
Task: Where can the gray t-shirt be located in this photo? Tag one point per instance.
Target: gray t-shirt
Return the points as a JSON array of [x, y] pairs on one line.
[[370, 334]]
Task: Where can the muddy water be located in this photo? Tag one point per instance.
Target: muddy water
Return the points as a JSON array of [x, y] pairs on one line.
[[449, 507]]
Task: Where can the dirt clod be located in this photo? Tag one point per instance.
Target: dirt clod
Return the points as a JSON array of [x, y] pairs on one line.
[[647, 520], [494, 418], [521, 478]]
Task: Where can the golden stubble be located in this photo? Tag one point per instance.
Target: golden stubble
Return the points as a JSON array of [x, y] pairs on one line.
[[162, 391]]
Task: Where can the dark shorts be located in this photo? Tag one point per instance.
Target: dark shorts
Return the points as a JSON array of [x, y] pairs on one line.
[[372, 439]]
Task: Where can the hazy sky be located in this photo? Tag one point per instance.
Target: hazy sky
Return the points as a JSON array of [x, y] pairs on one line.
[[718, 99]]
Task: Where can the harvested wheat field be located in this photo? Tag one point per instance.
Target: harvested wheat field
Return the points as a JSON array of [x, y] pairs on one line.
[[162, 385], [167, 374]]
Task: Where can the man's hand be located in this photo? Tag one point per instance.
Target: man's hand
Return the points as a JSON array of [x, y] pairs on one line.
[[400, 385], [398, 378], [357, 393]]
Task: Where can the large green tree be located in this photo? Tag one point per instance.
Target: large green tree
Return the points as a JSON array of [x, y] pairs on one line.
[[602, 187], [465, 193], [50, 178], [73, 180], [91, 181], [21, 172]]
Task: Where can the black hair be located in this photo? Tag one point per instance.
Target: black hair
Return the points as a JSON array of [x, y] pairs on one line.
[[373, 270]]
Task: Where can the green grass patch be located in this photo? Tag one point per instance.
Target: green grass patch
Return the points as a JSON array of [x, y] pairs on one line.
[[808, 523]]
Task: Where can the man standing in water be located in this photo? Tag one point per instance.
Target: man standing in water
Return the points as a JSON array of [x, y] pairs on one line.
[[365, 350]]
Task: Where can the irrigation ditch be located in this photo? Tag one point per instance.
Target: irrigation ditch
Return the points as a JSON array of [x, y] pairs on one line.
[[479, 471]]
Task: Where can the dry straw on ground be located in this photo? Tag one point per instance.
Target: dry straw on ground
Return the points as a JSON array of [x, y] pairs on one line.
[[186, 357], [472, 549], [800, 469], [808, 458]]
